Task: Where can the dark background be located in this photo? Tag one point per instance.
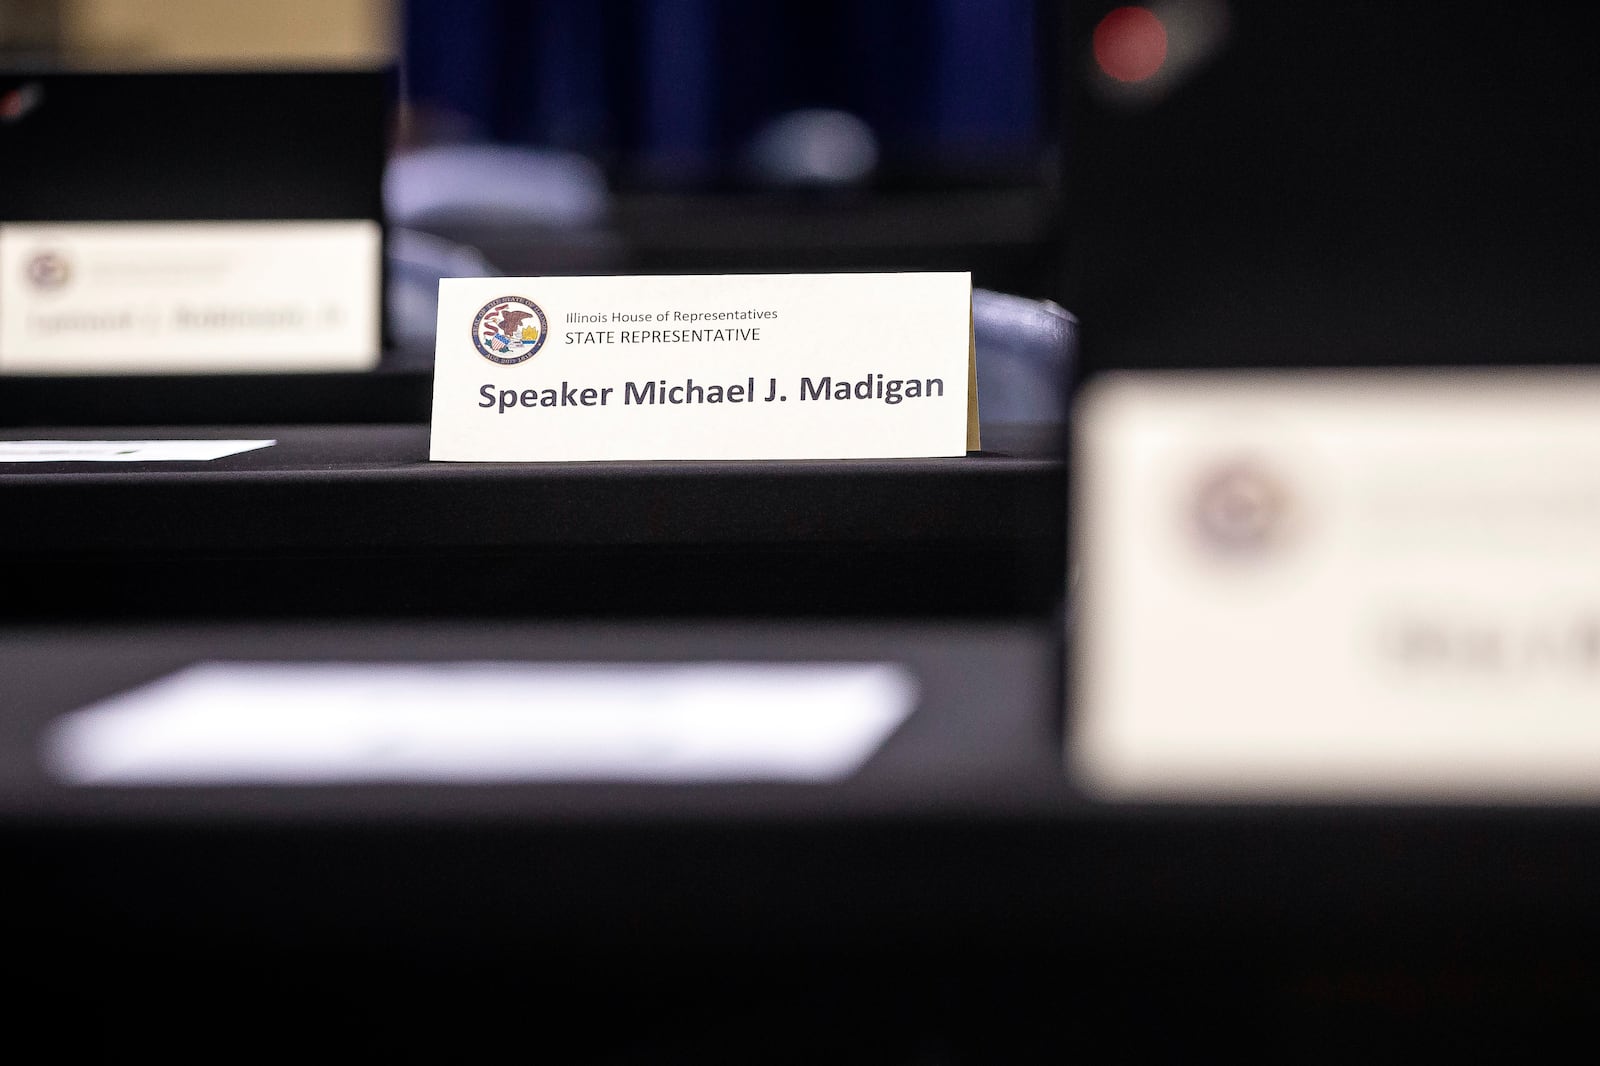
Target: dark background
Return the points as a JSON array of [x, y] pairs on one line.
[[671, 93], [1347, 184]]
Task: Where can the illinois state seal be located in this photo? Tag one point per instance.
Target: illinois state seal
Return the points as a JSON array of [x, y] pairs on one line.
[[509, 329]]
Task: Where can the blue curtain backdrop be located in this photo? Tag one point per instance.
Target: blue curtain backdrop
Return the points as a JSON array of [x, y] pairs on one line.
[[676, 87]]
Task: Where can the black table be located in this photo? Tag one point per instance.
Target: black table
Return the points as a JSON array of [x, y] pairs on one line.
[[355, 518], [958, 890], [959, 899]]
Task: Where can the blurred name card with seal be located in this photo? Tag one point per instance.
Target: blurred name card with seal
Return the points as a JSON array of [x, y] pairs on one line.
[[771, 366], [189, 297], [1376, 585]]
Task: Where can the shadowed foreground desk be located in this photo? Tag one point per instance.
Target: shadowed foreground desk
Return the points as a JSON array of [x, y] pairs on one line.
[[956, 900]]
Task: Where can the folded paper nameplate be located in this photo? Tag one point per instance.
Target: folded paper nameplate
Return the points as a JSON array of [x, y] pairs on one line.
[[1377, 585], [189, 297], [774, 366]]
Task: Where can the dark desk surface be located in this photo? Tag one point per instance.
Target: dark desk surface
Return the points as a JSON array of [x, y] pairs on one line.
[[357, 518], [373, 486], [959, 885], [964, 821], [984, 739], [957, 889]]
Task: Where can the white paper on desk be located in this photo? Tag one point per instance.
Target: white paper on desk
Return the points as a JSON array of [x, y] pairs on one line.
[[124, 451], [227, 723]]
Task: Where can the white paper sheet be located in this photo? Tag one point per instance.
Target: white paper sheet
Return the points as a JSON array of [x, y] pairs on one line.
[[327, 723], [124, 451]]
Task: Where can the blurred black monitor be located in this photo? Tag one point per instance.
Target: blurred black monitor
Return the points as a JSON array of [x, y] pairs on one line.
[[113, 146], [99, 160], [1359, 183]]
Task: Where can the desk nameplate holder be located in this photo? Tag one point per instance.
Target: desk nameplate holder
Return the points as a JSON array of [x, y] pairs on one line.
[[1367, 586], [790, 366]]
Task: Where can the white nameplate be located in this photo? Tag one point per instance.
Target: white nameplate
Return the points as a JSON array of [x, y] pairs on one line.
[[467, 723], [189, 297], [1318, 586], [773, 366], [124, 451]]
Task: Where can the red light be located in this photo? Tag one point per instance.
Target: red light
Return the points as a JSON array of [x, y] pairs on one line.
[[1130, 44]]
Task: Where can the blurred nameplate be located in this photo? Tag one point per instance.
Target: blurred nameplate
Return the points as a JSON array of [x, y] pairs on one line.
[[770, 366], [225, 723], [189, 297], [1338, 586]]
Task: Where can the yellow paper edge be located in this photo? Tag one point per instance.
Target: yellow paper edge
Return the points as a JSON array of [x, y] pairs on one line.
[[973, 442]]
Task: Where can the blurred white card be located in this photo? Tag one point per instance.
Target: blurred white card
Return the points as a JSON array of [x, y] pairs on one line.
[[465, 723], [1374, 585], [124, 451], [189, 297]]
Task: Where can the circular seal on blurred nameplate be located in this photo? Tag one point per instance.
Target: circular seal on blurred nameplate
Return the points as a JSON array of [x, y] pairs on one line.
[[1241, 508], [49, 270]]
